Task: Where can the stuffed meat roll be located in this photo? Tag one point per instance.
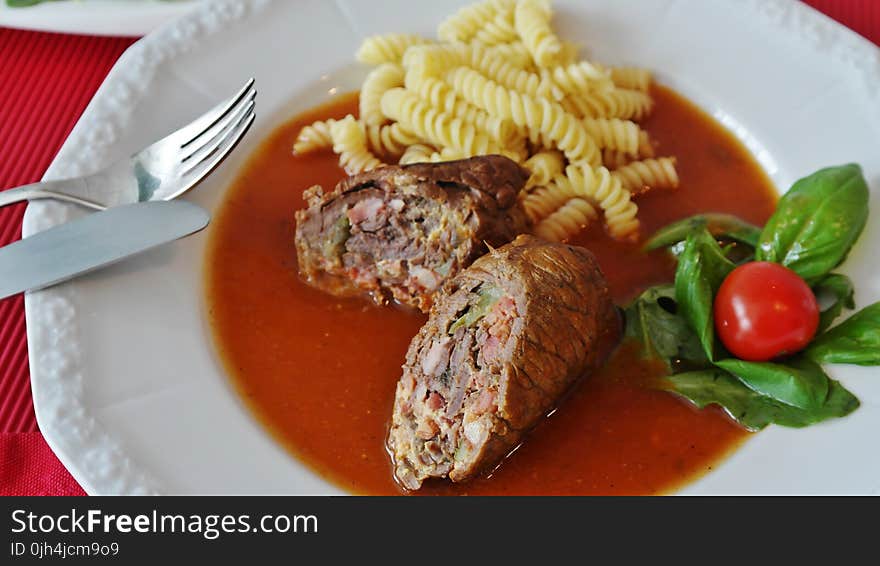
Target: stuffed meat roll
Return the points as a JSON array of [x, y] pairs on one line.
[[505, 339], [398, 232]]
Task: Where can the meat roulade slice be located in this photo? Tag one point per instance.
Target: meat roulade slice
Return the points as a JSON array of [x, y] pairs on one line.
[[398, 232], [505, 339]]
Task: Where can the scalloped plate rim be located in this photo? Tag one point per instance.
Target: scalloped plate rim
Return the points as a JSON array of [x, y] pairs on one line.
[[130, 476]]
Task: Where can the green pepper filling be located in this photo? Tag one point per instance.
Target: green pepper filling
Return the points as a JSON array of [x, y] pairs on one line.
[[487, 296], [339, 234]]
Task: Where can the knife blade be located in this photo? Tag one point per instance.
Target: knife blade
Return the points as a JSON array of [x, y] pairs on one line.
[[94, 241]]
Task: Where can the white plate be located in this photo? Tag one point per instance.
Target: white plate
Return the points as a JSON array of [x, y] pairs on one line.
[[95, 17], [126, 387]]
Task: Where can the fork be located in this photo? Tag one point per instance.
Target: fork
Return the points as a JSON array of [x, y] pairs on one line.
[[162, 171]]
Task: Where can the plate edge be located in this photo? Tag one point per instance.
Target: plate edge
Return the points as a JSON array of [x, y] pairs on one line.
[[790, 15]]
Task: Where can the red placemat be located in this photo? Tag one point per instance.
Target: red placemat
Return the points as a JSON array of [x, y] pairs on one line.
[[46, 81]]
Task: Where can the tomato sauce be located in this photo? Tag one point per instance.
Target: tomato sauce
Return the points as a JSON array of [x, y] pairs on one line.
[[320, 372]]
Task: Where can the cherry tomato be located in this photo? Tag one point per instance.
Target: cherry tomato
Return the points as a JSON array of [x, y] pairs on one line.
[[764, 310]]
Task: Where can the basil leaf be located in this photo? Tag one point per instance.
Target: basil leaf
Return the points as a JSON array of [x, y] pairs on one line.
[[856, 340], [817, 222], [840, 289], [702, 267], [721, 226], [799, 382], [653, 319], [751, 409]]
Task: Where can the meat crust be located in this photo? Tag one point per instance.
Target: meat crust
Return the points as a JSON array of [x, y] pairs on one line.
[[505, 340]]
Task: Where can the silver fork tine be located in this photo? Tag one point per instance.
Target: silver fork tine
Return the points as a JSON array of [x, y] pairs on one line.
[[207, 150], [230, 116], [219, 129], [203, 123], [211, 161]]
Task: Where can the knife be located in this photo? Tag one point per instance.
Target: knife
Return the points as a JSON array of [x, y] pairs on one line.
[[94, 241]]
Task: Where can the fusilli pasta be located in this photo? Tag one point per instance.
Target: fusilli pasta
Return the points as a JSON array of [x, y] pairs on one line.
[[425, 153], [542, 119], [486, 22], [631, 77], [388, 48], [512, 77], [544, 200], [440, 95], [500, 81], [640, 176], [391, 140], [622, 135], [434, 60], [313, 137], [580, 78], [433, 125], [620, 103], [417, 153], [350, 142], [614, 158], [601, 186], [532, 22], [566, 221], [384, 77], [500, 29], [515, 53], [543, 166]]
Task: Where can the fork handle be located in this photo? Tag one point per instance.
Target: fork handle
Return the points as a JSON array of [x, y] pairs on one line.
[[38, 191]]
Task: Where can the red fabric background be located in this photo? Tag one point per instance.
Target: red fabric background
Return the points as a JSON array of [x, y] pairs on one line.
[[46, 81]]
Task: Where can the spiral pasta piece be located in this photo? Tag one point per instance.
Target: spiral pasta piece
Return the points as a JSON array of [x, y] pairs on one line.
[[566, 221], [515, 53], [391, 140], [532, 22], [640, 176], [500, 29], [441, 96], [350, 143], [434, 60], [421, 153], [580, 77], [600, 186], [433, 125], [512, 77], [620, 103], [471, 22], [631, 77], [388, 48], [417, 153], [622, 135], [544, 200], [543, 166], [614, 159], [384, 77], [542, 119], [313, 137]]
